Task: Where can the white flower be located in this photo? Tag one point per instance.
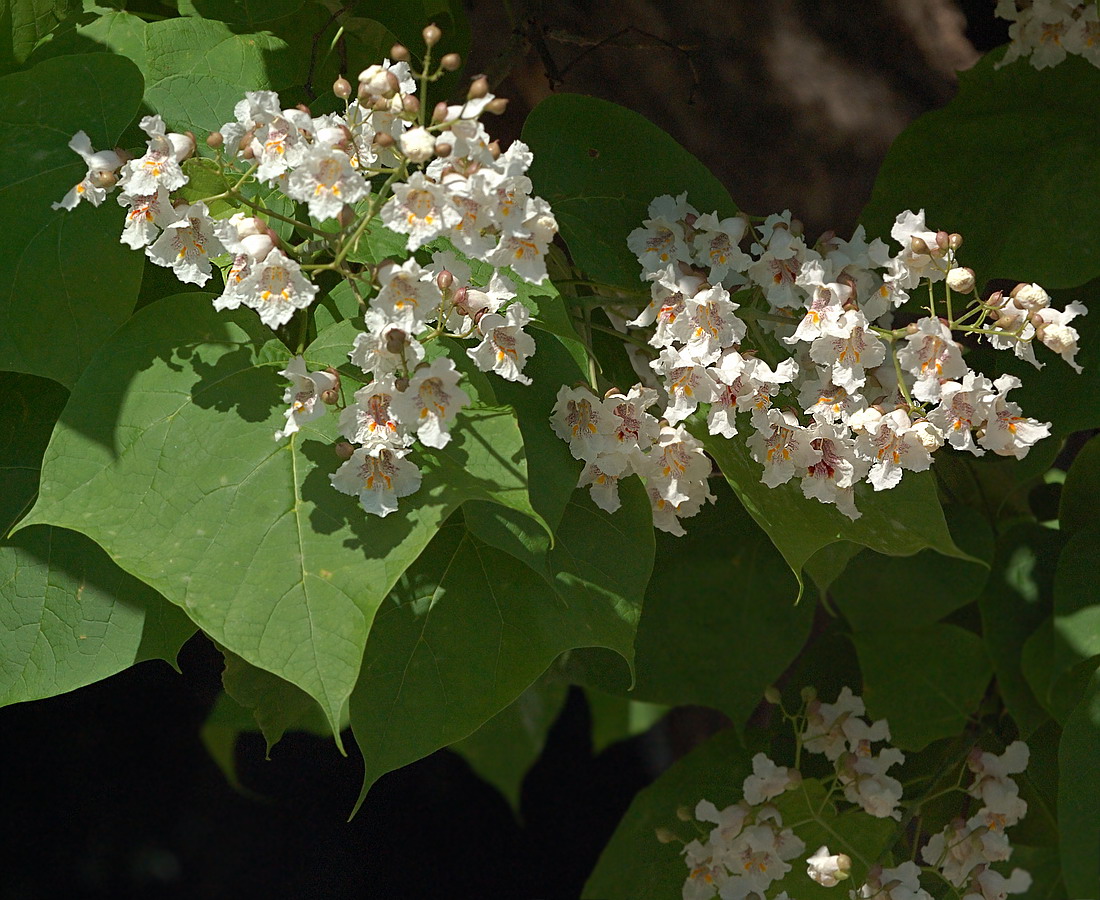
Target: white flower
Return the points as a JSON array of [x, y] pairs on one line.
[[525, 253], [963, 407], [832, 477], [1056, 333], [824, 731], [782, 447], [1007, 433], [931, 356], [990, 884], [505, 347], [579, 418], [275, 288], [712, 325], [378, 480], [101, 168], [677, 465], [633, 430], [145, 218], [325, 181], [384, 347], [828, 869], [687, 383], [158, 168], [280, 144], [848, 347], [893, 443], [899, 883], [866, 782], [303, 395], [603, 488], [417, 144], [431, 401], [408, 297], [371, 420], [186, 244], [418, 208], [767, 780], [660, 241], [716, 245]]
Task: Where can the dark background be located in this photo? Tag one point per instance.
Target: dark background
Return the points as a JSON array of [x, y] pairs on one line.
[[108, 792]]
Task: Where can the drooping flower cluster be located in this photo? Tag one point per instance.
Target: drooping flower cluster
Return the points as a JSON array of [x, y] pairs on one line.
[[380, 162], [748, 849], [805, 356], [1045, 31], [966, 848]]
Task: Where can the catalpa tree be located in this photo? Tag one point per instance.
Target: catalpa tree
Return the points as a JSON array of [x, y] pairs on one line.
[[418, 428]]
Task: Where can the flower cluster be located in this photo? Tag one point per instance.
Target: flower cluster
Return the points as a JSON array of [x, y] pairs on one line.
[[965, 848], [748, 848], [745, 848], [381, 162], [1045, 31], [805, 355]]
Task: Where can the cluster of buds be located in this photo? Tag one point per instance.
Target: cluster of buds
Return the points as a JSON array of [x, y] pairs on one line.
[[382, 161], [1045, 31], [805, 353]]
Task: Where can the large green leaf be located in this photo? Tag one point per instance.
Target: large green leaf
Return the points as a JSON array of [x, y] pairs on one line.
[[617, 718], [1078, 507], [600, 165], [165, 457], [503, 749], [467, 629], [1076, 605], [926, 681], [1015, 147], [1079, 797], [23, 23], [1015, 602], [898, 522], [718, 625], [69, 616], [67, 282]]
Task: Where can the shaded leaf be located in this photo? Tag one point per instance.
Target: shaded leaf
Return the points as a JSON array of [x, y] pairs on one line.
[[618, 718], [1079, 797], [1078, 507]]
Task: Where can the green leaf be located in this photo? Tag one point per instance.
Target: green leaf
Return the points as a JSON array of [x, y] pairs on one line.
[[164, 455], [467, 629], [1076, 606], [897, 522], [32, 407], [503, 749], [718, 625], [877, 591], [1018, 597], [970, 178], [634, 863], [224, 724], [248, 13], [600, 165], [70, 617], [67, 282], [925, 681], [1045, 869], [1079, 797], [617, 718], [1078, 508], [24, 23]]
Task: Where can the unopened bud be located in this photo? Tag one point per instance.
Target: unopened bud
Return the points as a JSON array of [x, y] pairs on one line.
[[995, 300], [911, 328], [257, 246], [246, 141], [497, 106], [943, 240], [248, 152], [402, 383], [341, 87], [346, 216], [460, 300], [1030, 296], [301, 107], [410, 104], [399, 53], [809, 693], [103, 178], [344, 450], [919, 246], [451, 62], [330, 397], [479, 87], [666, 835], [961, 280], [395, 341], [444, 280], [215, 140], [431, 35], [384, 139], [684, 814], [797, 228], [954, 240], [443, 149], [772, 695], [494, 149], [439, 114]]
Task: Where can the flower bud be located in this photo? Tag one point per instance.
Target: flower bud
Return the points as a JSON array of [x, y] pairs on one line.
[[395, 341], [183, 145], [346, 216], [410, 104], [494, 149], [954, 240], [1030, 296], [666, 835], [330, 397], [248, 152], [444, 280], [431, 35], [215, 140], [443, 149], [344, 450], [451, 62], [341, 87], [1059, 338], [995, 300], [912, 328], [418, 145], [809, 693], [399, 53], [772, 695], [961, 280], [439, 114], [797, 227], [943, 240], [384, 139], [684, 814], [402, 383], [460, 300], [497, 106], [246, 140], [257, 246], [479, 87], [919, 246], [103, 178]]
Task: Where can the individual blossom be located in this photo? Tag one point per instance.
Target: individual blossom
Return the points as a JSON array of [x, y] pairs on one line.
[[1054, 331], [820, 397], [384, 347], [145, 217], [303, 395], [275, 288], [431, 401], [712, 325], [899, 883], [828, 869], [866, 782], [920, 254], [834, 475], [961, 847], [825, 724], [964, 406], [378, 479], [767, 780], [418, 209], [160, 166], [407, 298], [716, 245], [677, 467], [187, 244], [505, 347], [632, 429], [325, 181], [759, 857], [580, 419], [825, 308], [1007, 432], [281, 144], [102, 166], [782, 447], [848, 347], [602, 487], [706, 871], [660, 241], [525, 251], [371, 420], [931, 357], [894, 443], [686, 381]]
